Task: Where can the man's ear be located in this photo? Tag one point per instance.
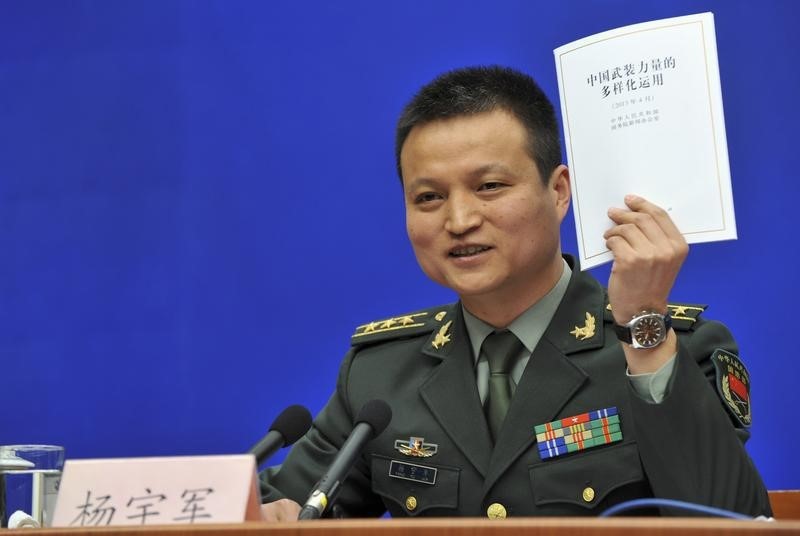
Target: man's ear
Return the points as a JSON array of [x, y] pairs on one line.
[[559, 185]]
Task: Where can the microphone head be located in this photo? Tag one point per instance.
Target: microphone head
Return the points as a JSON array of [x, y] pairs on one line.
[[377, 414], [292, 423]]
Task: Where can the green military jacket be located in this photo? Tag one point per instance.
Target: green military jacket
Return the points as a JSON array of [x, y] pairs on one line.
[[436, 457]]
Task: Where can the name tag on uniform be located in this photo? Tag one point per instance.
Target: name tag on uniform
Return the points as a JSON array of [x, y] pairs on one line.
[[412, 471]]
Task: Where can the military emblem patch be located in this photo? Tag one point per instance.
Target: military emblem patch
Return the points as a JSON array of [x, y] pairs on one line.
[[733, 385]]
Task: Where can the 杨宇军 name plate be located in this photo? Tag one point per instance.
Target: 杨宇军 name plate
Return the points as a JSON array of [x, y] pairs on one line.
[[157, 491]]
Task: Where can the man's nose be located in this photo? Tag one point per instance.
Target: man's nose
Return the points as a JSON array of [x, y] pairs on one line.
[[463, 215]]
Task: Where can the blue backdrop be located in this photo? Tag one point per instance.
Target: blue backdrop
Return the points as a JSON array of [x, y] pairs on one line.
[[198, 204]]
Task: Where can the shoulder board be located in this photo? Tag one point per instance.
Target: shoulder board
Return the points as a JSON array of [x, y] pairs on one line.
[[407, 325], [684, 315]]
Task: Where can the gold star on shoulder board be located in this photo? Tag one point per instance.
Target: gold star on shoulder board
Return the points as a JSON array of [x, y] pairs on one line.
[[587, 331], [406, 320], [388, 323], [442, 337], [370, 327], [679, 310]]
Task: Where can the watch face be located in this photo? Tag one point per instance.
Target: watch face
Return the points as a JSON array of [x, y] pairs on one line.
[[648, 331]]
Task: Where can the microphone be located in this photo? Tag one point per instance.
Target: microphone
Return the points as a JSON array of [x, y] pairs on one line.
[[373, 418], [288, 427]]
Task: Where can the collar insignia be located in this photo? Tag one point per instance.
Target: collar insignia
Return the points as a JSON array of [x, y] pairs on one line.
[[416, 446], [443, 336], [587, 331]]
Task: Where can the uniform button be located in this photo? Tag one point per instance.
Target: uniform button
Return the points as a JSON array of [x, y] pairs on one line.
[[411, 503], [588, 494], [496, 511]]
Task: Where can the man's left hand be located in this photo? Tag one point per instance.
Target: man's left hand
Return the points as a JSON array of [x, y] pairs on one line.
[[648, 253]]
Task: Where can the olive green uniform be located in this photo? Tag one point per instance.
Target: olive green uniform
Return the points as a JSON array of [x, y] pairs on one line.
[[685, 448]]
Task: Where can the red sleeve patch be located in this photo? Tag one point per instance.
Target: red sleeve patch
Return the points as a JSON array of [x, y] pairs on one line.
[[733, 385]]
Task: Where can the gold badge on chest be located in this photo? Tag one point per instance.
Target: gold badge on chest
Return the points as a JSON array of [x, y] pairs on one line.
[[416, 447]]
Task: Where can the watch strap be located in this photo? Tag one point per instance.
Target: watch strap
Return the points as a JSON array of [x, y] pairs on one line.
[[623, 333]]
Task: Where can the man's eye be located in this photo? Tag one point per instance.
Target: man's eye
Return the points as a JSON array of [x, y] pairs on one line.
[[426, 197], [491, 186]]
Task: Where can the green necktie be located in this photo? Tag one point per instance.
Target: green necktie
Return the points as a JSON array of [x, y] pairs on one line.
[[500, 348]]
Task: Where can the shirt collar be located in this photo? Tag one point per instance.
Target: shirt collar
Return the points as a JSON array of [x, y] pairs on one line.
[[529, 326]]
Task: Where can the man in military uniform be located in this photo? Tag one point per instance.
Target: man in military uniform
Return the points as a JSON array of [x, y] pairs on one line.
[[539, 392]]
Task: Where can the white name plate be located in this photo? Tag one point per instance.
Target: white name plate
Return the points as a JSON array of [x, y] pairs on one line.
[[158, 491]]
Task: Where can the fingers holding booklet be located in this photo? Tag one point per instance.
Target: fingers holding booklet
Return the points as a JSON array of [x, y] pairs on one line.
[[648, 253]]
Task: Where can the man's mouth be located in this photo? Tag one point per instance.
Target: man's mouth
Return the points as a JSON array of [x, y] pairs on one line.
[[467, 251]]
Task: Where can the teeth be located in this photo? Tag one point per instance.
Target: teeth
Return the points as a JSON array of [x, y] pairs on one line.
[[472, 250]]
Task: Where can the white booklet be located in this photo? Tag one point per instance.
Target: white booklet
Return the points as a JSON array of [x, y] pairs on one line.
[[642, 113]]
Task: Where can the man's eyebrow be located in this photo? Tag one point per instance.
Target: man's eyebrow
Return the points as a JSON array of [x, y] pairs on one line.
[[422, 182], [494, 167]]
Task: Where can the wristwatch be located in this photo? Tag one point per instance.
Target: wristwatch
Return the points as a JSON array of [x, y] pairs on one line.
[[646, 329]]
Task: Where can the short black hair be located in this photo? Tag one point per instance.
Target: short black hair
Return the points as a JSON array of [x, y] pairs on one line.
[[475, 90]]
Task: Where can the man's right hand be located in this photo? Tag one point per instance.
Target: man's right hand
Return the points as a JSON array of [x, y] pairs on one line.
[[280, 510]]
